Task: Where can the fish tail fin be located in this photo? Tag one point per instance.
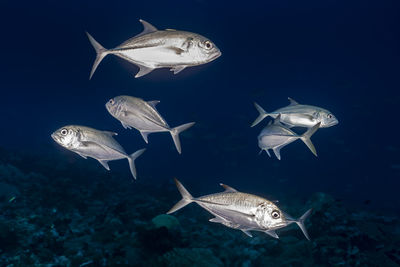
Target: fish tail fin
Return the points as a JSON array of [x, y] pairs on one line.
[[300, 223], [306, 138], [100, 51], [175, 134], [131, 160], [186, 198], [261, 116]]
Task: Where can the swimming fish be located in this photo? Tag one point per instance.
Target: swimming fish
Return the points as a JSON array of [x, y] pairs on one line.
[[153, 49], [242, 211], [143, 116], [275, 136], [100, 145], [299, 115]]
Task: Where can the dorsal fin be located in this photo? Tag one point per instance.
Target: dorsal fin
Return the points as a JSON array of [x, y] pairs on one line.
[[147, 28], [171, 30], [292, 102], [153, 103], [110, 133], [228, 188], [278, 119]]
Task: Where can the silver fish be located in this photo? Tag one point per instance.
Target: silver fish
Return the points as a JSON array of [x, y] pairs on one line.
[[299, 115], [275, 136], [143, 116], [242, 211], [153, 49], [100, 145]]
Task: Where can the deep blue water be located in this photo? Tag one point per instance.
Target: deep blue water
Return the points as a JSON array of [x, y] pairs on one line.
[[340, 55]]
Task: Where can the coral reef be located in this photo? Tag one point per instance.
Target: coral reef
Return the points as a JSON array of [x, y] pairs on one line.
[[56, 215]]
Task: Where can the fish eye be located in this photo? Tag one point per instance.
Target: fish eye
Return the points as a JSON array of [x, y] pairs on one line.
[[112, 101], [329, 116], [208, 45], [275, 214], [64, 131]]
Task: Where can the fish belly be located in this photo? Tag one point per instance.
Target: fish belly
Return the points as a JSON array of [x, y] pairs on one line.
[[157, 57], [271, 141], [234, 218], [100, 153], [143, 124], [300, 120]]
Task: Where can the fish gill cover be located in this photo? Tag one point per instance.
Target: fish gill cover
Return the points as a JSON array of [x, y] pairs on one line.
[[206, 72]]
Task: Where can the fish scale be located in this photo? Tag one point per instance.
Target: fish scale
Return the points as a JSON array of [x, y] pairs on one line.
[[242, 211], [153, 48]]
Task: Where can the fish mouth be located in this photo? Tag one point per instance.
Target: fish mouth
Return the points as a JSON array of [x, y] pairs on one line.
[[216, 55], [55, 137], [334, 123]]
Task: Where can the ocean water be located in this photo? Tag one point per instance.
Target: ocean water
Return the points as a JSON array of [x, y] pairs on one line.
[[58, 209]]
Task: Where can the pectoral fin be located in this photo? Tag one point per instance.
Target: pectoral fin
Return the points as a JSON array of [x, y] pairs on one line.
[[217, 220], [177, 50], [177, 69], [105, 164]]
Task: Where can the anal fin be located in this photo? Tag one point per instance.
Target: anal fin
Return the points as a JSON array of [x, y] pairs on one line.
[[105, 164], [277, 151], [247, 233], [272, 233], [177, 69], [143, 70], [83, 156], [145, 136]]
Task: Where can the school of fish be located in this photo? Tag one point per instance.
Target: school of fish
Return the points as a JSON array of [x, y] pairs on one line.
[[174, 49]]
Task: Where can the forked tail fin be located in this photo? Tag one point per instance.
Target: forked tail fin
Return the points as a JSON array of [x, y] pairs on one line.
[[300, 223], [100, 51], [261, 116], [306, 137], [186, 198], [131, 159], [175, 134]]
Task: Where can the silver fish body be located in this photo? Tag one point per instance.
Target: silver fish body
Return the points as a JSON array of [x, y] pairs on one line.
[[242, 211], [89, 142], [275, 136], [136, 113], [153, 49], [297, 115]]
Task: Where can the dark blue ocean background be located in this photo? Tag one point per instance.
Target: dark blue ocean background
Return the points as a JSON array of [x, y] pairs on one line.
[[340, 55]]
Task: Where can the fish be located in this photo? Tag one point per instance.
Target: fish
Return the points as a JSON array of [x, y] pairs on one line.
[[100, 145], [298, 115], [275, 136], [134, 112], [152, 49], [241, 211]]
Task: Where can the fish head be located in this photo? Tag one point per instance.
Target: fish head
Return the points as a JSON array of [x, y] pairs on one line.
[[67, 136], [203, 48], [270, 217], [327, 119], [115, 105]]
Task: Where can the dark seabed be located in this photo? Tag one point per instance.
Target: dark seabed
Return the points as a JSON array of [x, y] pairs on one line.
[[58, 209]]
